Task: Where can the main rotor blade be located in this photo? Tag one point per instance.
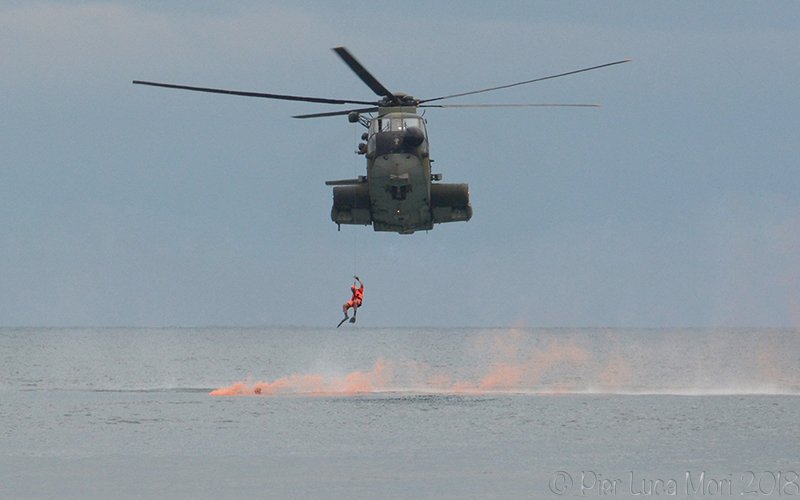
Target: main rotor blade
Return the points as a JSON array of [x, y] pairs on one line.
[[254, 94], [524, 83], [509, 106], [362, 73], [337, 113]]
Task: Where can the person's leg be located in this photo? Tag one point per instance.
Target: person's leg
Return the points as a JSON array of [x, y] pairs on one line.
[[346, 306]]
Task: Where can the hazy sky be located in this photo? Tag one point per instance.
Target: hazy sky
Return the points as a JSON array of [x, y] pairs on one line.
[[677, 203]]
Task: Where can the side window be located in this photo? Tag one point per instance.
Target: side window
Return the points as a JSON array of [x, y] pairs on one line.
[[373, 129], [411, 122]]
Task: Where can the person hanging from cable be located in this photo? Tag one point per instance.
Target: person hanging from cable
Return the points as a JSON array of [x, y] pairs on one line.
[[354, 302]]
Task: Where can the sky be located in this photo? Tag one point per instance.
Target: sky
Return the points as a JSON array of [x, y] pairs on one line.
[[675, 204]]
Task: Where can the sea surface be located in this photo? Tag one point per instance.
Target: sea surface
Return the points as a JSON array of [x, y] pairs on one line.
[[362, 412]]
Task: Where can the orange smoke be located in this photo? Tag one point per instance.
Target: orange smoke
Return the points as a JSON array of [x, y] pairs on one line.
[[523, 361], [508, 365], [520, 370], [616, 374], [312, 384], [301, 384]]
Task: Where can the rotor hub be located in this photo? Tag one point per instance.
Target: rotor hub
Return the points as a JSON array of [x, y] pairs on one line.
[[399, 99]]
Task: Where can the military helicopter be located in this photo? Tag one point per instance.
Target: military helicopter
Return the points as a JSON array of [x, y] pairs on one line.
[[399, 193]]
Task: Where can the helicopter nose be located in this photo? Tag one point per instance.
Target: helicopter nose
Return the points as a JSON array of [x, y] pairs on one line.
[[413, 137]]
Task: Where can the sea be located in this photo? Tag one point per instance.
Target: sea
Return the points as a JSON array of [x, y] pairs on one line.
[[361, 412]]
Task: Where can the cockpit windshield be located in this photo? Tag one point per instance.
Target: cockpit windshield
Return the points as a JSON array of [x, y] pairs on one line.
[[395, 123], [392, 133]]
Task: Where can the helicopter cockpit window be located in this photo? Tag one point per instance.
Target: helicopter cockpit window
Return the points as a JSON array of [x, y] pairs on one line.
[[411, 122], [393, 124], [384, 124]]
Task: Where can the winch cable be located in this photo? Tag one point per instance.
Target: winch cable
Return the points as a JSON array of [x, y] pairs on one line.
[[355, 232]]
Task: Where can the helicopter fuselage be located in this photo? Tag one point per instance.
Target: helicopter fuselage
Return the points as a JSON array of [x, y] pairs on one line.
[[398, 193]]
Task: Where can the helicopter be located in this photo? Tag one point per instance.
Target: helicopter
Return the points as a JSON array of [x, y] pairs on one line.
[[399, 193]]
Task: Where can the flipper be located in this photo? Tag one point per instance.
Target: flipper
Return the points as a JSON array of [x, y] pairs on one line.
[[342, 321], [355, 311]]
